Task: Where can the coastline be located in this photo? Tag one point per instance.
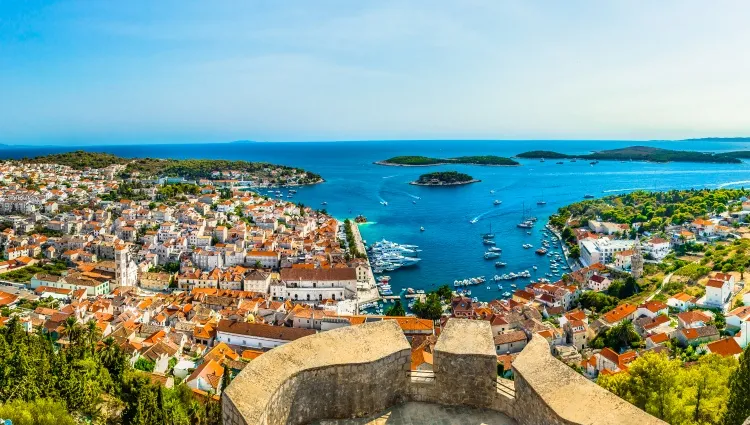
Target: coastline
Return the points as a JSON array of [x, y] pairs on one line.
[[416, 183]]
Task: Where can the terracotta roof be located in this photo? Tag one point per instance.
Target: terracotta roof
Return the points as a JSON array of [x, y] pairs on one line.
[[348, 273], [693, 316], [514, 336], [620, 312], [725, 347], [263, 331]]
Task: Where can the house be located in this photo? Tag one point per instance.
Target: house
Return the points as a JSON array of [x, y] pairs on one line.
[[682, 301], [610, 361], [718, 294], [206, 378], [692, 319], [598, 283], [739, 319], [652, 309], [697, 336], [510, 342], [619, 313], [254, 335], [623, 259], [316, 285], [657, 248], [656, 340], [724, 347], [156, 281]]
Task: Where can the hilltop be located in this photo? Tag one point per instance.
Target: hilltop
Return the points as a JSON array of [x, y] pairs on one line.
[[417, 161], [645, 153], [186, 168]]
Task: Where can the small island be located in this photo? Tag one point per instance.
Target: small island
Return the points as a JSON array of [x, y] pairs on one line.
[[422, 161], [643, 153], [444, 178]]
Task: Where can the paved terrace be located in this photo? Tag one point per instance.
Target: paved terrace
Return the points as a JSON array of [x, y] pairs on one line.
[[415, 413]]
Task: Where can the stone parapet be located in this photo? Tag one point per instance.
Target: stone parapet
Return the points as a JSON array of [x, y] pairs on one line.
[[550, 393], [343, 373], [465, 364]]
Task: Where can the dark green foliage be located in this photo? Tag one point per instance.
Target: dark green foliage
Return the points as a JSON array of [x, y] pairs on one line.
[[619, 337], [80, 376], [25, 274], [445, 177], [474, 160], [350, 241], [187, 168], [396, 309], [431, 308], [642, 153], [738, 406], [598, 301], [654, 209]]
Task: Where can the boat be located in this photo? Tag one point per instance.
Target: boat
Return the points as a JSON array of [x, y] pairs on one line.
[[541, 160], [506, 294], [497, 202], [559, 163], [489, 255], [410, 291], [494, 249], [413, 202], [421, 229], [324, 203], [489, 235], [492, 190], [541, 202], [384, 203], [534, 267], [488, 242], [527, 246], [473, 221], [500, 264], [541, 251], [588, 196]]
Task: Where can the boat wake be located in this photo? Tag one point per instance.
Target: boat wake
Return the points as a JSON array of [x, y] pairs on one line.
[[733, 183], [390, 177], [480, 216]]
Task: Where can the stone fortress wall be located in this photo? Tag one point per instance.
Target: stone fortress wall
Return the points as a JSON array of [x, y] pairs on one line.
[[361, 370]]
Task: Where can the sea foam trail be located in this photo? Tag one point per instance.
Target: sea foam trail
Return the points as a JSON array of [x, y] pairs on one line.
[[733, 183]]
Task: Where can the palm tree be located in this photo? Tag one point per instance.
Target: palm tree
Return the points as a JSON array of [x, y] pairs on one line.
[[71, 330], [92, 334]]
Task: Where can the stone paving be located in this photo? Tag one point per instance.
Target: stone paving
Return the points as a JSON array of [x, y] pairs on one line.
[[414, 413]]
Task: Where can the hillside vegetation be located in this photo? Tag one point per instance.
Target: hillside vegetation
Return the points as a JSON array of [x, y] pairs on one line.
[[644, 153], [416, 160], [187, 168]]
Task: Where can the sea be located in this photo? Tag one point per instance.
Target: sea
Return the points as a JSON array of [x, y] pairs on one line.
[[454, 218]]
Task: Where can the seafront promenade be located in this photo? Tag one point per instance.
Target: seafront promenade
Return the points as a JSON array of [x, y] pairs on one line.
[[368, 292]]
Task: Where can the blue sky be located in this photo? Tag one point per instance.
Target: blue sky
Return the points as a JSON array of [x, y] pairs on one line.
[[188, 71]]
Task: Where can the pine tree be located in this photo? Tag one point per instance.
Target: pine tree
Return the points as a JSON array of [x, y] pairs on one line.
[[738, 407]]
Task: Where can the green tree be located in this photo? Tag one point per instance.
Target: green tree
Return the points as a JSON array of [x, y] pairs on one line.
[[738, 406], [144, 364], [431, 308], [396, 309], [41, 411]]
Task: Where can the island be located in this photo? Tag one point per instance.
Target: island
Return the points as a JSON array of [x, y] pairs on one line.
[[642, 153], [258, 173], [422, 161], [444, 178]]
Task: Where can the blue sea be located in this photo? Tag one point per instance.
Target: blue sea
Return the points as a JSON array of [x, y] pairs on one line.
[[451, 245]]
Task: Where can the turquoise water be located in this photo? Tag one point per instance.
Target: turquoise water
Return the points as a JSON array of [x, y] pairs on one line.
[[452, 245]]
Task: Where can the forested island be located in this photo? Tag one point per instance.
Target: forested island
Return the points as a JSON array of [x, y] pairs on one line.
[[187, 168], [644, 153], [444, 178], [418, 161], [653, 209]]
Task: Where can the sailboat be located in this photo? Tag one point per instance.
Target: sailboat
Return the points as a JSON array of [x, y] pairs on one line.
[[541, 201], [489, 235], [525, 222]]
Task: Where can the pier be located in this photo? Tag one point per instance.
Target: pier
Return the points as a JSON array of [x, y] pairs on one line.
[[368, 292]]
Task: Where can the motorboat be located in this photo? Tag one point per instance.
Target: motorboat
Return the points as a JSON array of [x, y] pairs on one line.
[[491, 255], [494, 249], [421, 229], [497, 202], [500, 264]]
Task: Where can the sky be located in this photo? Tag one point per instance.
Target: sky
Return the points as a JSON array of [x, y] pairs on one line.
[[179, 71]]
